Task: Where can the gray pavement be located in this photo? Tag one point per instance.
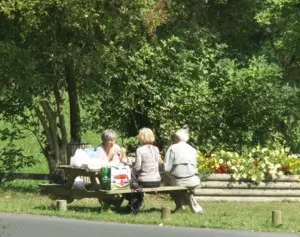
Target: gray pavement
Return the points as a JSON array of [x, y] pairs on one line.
[[32, 226]]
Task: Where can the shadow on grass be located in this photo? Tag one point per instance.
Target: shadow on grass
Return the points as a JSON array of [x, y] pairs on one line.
[[85, 209], [45, 207], [72, 208], [20, 187], [126, 210]]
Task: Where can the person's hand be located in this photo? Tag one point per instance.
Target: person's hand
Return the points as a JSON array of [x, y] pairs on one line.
[[123, 157], [161, 160]]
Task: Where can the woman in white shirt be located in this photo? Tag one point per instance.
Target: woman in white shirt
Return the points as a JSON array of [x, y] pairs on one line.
[[109, 152]]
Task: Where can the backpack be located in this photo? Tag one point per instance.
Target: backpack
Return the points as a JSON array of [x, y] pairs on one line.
[[58, 176]]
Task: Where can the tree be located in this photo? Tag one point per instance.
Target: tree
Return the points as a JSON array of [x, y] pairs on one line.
[[57, 40]]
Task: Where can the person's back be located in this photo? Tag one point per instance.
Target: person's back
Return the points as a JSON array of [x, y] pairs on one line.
[[146, 165], [181, 165], [183, 162]]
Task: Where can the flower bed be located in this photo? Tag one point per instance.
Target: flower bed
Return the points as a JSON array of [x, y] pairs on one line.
[[257, 165]]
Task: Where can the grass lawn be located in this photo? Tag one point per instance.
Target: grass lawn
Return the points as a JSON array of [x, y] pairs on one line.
[[24, 197]]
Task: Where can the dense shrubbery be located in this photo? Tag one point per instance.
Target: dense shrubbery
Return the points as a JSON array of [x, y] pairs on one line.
[[159, 63], [256, 165]]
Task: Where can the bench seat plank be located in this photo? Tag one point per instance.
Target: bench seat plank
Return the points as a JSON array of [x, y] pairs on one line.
[[162, 189], [61, 189]]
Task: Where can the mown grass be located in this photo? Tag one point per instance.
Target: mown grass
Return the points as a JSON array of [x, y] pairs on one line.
[[23, 197]]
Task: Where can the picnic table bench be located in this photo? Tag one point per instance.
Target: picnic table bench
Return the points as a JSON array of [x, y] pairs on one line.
[[93, 189]]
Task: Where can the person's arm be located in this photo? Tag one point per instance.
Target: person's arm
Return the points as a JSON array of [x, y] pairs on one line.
[[168, 160], [123, 157], [138, 161], [116, 154]]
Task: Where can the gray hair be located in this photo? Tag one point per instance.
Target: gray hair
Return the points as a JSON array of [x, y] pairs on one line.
[[183, 135], [108, 135]]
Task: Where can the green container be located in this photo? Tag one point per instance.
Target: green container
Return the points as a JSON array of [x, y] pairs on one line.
[[105, 178]]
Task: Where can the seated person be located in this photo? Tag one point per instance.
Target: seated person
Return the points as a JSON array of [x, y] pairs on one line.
[[109, 152], [181, 164], [145, 168], [146, 165]]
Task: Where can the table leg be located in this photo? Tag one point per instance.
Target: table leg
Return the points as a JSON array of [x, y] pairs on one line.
[[94, 183], [70, 180]]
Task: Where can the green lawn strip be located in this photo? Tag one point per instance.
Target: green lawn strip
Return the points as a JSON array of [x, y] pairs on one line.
[[225, 215]]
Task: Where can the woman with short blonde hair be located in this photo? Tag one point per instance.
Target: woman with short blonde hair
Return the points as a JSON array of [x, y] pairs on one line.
[[145, 167], [146, 136]]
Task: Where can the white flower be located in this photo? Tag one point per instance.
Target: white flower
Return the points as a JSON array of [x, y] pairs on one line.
[[277, 166]]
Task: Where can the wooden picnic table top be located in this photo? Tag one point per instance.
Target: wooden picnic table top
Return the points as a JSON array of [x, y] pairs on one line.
[[76, 168]]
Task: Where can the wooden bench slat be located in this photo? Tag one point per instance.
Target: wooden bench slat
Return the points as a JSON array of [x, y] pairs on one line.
[[162, 189], [75, 168], [52, 185], [147, 190]]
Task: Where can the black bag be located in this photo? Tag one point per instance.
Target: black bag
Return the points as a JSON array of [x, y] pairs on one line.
[[58, 176], [134, 180]]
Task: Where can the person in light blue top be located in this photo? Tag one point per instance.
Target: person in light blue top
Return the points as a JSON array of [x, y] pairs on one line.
[[181, 166]]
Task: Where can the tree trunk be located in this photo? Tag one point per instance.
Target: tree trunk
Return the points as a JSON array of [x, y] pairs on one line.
[[74, 103], [54, 147]]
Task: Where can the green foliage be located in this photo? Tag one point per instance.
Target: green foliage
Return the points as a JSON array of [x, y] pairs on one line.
[[252, 103], [12, 158], [131, 144], [229, 70]]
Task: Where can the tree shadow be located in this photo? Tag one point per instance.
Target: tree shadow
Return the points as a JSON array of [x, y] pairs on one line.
[[85, 209], [126, 210], [150, 210], [123, 210], [19, 188], [45, 207], [72, 208]]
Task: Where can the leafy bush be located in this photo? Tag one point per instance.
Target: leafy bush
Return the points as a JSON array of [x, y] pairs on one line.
[[131, 144], [12, 159]]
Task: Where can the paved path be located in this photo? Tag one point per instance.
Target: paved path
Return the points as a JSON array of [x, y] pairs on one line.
[[39, 226]]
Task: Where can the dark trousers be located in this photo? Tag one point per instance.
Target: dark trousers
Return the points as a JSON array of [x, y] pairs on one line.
[[151, 184]]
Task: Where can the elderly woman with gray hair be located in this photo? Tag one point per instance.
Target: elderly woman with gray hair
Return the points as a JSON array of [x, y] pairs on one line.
[[109, 151], [181, 165]]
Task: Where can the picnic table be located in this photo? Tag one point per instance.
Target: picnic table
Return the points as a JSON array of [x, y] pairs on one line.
[[93, 189]]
